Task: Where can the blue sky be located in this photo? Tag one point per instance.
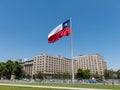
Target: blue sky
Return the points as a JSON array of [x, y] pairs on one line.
[[25, 25]]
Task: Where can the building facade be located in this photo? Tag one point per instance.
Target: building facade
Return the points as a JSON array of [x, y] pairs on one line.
[[50, 65], [27, 67], [93, 62]]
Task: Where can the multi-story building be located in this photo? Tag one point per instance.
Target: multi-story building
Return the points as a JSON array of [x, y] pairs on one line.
[[27, 67], [93, 62], [50, 65]]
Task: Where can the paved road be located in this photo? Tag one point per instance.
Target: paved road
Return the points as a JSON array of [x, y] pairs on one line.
[[54, 87]]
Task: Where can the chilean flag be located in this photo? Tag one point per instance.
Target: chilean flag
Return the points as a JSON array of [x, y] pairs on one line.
[[61, 30]]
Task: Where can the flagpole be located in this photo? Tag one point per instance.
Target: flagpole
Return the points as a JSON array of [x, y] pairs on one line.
[[71, 46]]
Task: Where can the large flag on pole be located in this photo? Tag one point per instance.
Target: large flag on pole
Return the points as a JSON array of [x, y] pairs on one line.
[[61, 30]]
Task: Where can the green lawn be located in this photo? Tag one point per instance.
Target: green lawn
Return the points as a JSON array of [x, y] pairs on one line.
[[22, 88], [70, 85]]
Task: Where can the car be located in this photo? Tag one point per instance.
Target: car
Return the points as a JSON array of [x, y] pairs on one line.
[[99, 81], [92, 81]]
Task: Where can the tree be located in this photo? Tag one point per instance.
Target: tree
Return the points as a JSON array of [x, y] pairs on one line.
[[86, 74], [56, 76], [2, 69], [28, 76], [11, 68], [83, 74], [40, 75], [96, 75], [66, 76], [17, 70], [8, 69], [118, 74], [108, 74], [79, 74]]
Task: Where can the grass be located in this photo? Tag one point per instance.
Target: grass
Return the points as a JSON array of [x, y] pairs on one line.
[[22, 88], [113, 87]]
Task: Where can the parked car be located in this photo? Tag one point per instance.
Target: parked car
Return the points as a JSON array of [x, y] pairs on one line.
[[92, 81], [100, 81]]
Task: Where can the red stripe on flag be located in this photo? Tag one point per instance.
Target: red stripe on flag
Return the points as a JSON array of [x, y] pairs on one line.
[[60, 34]]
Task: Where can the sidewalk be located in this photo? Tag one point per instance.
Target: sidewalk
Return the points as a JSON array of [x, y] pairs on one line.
[[54, 87]]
